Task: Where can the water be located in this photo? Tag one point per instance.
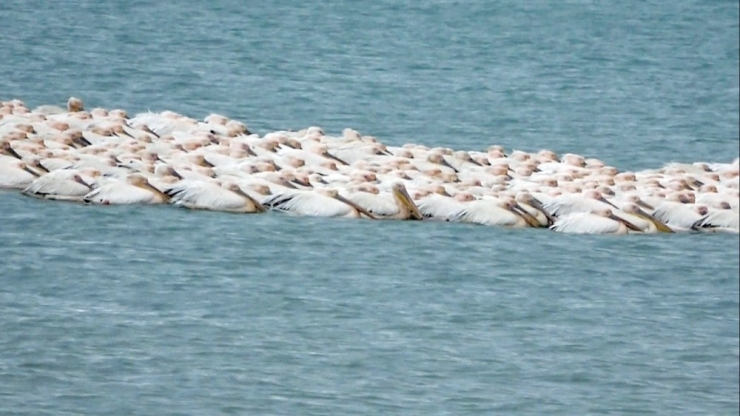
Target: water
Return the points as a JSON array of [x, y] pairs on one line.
[[141, 310]]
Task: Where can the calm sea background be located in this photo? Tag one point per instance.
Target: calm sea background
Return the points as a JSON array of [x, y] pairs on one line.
[[156, 310]]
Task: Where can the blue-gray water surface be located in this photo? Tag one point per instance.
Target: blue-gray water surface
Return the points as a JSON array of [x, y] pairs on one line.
[[157, 310]]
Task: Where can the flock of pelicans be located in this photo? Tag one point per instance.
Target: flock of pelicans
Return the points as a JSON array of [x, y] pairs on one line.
[[106, 157]]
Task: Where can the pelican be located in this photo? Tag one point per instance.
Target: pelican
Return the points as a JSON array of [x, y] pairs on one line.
[[16, 175], [601, 221], [228, 197], [319, 203], [440, 207], [504, 212], [135, 190], [103, 156], [719, 220], [678, 216], [65, 185], [589, 200]]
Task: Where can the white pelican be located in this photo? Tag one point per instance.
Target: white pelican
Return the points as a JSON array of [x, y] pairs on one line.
[[678, 216], [440, 207], [228, 197], [590, 200], [7, 149], [65, 185], [16, 175], [601, 221], [319, 203], [719, 220], [504, 212], [136, 190]]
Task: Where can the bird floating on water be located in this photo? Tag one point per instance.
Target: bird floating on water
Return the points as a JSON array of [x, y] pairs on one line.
[[106, 157]]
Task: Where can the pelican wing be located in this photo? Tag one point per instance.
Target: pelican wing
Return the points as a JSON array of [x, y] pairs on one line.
[[308, 203], [58, 184], [724, 220], [571, 204], [585, 223], [380, 205], [677, 215], [440, 207], [205, 195], [486, 212], [120, 193]]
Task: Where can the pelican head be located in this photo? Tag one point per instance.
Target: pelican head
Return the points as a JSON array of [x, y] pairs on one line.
[[141, 182], [635, 199], [35, 162], [440, 160], [520, 156], [464, 156], [464, 197], [404, 201], [595, 194], [23, 166], [166, 170], [74, 105], [6, 148]]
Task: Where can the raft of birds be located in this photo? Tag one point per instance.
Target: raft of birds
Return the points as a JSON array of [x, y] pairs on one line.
[[106, 157]]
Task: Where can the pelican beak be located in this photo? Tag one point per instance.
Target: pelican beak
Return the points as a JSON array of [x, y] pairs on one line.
[[82, 182], [31, 171], [536, 204], [526, 216], [13, 153], [288, 184], [42, 167], [473, 161], [359, 209], [602, 199], [125, 133], [206, 164], [628, 224], [382, 153], [696, 183], [259, 207], [659, 225], [645, 205], [404, 199], [177, 175], [332, 157], [83, 141], [445, 163], [302, 183], [150, 187]]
